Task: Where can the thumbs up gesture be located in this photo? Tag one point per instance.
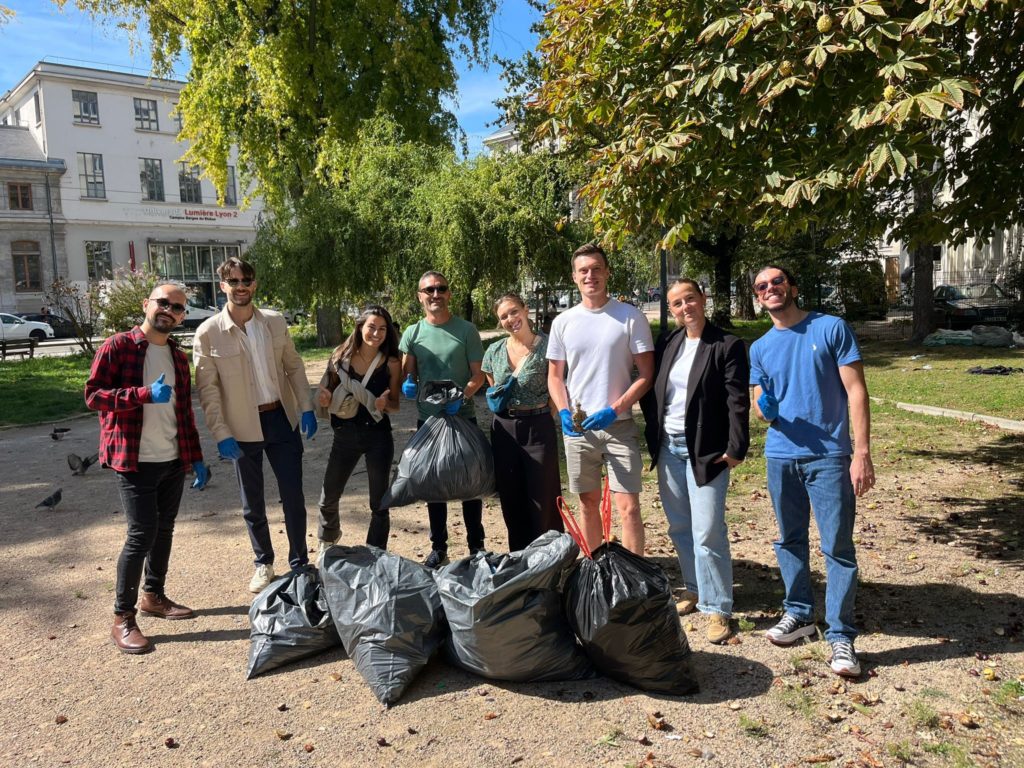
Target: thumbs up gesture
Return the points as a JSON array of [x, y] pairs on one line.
[[159, 392], [767, 402]]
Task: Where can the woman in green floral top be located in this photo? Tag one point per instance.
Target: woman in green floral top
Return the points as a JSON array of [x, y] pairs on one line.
[[523, 437]]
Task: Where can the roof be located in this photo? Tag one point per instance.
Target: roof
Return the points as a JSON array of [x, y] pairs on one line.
[[19, 149]]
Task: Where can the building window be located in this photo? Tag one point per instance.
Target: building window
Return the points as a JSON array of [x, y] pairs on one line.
[[26, 265], [90, 175], [176, 114], [188, 183], [151, 174], [145, 115], [230, 193], [97, 260], [87, 107], [19, 197], [38, 107]]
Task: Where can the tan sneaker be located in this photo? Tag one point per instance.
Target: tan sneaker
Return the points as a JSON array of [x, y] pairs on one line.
[[687, 602], [263, 575], [718, 628]]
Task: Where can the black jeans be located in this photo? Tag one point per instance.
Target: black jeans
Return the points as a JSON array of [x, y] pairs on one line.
[[525, 452], [150, 497], [352, 441], [283, 447], [472, 516]]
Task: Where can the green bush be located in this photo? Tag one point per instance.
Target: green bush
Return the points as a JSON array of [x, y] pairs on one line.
[[862, 290]]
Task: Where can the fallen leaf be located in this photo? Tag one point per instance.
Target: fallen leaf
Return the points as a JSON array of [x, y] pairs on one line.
[[491, 715], [412, 731], [308, 747], [657, 722], [644, 741], [282, 707], [735, 705], [60, 719], [337, 677], [694, 752], [967, 720], [989, 674], [282, 734], [819, 758]]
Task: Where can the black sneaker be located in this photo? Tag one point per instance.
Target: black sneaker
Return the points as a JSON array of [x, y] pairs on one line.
[[789, 630], [436, 558]]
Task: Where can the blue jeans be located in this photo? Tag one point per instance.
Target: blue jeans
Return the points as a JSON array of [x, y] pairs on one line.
[[696, 525], [796, 486]]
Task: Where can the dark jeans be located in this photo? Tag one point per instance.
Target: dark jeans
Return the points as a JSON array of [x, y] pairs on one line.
[[150, 497], [283, 448], [526, 473], [353, 440], [472, 516]]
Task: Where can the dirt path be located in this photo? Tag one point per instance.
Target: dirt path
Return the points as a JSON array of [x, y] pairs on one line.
[[940, 550]]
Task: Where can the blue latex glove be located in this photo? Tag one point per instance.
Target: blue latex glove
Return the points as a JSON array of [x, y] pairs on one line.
[[567, 427], [453, 407], [767, 402], [202, 475], [409, 388], [309, 425], [600, 420], [229, 449], [160, 392]]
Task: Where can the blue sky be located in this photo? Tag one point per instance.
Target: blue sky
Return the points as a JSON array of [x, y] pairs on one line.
[[41, 31]]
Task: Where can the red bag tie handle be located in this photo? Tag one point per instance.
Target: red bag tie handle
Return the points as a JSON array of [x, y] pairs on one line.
[[572, 527]]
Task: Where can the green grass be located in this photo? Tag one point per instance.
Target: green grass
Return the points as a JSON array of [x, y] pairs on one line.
[[923, 714], [954, 753], [797, 700], [1008, 693], [756, 729], [901, 750], [42, 389]]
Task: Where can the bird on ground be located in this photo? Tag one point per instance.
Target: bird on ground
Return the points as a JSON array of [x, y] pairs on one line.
[[51, 501], [59, 432]]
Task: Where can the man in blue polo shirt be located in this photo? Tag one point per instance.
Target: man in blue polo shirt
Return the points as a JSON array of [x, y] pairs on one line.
[[809, 386]]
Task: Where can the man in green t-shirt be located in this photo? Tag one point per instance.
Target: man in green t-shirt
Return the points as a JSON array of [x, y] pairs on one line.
[[439, 347]]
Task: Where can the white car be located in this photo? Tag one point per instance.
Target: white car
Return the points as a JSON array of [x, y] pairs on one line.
[[194, 316], [14, 328]]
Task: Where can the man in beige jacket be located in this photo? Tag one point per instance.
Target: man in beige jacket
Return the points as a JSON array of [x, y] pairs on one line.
[[253, 391]]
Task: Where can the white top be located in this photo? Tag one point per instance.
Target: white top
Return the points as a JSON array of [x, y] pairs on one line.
[[159, 423], [597, 346], [675, 388], [256, 340]]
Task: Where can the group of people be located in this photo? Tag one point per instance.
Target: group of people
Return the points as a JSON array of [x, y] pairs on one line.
[[597, 362]]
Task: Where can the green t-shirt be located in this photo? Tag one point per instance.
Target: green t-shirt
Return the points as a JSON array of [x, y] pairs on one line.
[[443, 352]]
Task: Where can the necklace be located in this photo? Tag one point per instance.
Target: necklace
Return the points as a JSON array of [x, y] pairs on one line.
[[517, 353]]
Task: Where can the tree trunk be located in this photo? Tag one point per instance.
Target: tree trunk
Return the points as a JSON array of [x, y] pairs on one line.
[[467, 307], [328, 327], [922, 259], [745, 297], [722, 250]]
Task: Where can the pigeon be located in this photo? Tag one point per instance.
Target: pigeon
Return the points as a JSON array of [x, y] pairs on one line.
[[59, 432], [51, 501], [80, 466]]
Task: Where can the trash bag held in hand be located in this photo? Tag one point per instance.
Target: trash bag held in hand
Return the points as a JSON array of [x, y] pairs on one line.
[[620, 606], [290, 621], [448, 459], [505, 613], [387, 612]]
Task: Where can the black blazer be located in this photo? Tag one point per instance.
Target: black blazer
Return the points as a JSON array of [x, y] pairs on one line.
[[717, 400]]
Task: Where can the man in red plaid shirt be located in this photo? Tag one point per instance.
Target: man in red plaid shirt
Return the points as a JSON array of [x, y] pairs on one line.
[[148, 436]]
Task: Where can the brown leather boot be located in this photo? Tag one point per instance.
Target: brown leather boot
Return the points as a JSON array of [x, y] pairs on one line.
[[162, 606], [127, 636]]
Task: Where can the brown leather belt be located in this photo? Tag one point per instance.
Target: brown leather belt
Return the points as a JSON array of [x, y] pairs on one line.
[[269, 406], [514, 413]]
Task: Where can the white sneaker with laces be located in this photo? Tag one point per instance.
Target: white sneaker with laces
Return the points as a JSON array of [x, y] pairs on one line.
[[261, 578], [844, 659], [789, 630]]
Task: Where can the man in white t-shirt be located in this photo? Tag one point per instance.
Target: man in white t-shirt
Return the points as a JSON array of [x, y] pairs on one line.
[[592, 351]]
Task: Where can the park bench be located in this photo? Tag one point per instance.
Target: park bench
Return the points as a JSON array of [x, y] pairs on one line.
[[17, 347]]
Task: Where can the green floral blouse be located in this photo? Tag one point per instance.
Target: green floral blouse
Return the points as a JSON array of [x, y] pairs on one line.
[[532, 388]]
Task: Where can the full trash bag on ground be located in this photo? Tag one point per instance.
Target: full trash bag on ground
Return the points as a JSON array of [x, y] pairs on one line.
[[448, 459], [505, 613], [290, 621], [387, 612], [620, 606]]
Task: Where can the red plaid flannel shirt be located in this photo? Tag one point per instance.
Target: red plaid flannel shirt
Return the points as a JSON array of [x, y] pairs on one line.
[[115, 389]]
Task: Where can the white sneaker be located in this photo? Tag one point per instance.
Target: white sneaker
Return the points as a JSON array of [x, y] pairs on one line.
[[261, 578], [321, 550], [844, 659]]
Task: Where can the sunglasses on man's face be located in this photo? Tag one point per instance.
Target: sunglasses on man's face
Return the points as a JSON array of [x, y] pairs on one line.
[[435, 289], [174, 306], [234, 282], [762, 287]]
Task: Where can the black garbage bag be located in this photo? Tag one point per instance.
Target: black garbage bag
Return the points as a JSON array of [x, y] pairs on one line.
[[290, 621], [620, 606], [387, 612], [505, 613], [448, 459]]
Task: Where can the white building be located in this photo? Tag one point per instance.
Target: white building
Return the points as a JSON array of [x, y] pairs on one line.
[[126, 198]]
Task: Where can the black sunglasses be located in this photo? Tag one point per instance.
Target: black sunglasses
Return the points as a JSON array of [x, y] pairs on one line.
[[174, 306], [435, 289], [762, 287], [234, 282]]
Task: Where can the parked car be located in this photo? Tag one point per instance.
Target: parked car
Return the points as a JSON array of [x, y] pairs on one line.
[[961, 306], [62, 327], [15, 328], [293, 316], [194, 316]]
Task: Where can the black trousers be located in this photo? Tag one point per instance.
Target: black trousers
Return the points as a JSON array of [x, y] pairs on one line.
[[150, 497], [526, 456], [472, 516]]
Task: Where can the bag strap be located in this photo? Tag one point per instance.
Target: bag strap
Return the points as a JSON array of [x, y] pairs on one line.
[[525, 357], [372, 367], [606, 511], [572, 527]]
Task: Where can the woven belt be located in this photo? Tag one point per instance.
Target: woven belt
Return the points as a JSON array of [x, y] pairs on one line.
[[514, 413], [269, 406]]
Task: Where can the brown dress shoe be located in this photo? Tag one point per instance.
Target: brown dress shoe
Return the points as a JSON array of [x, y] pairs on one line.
[[162, 606], [127, 636]]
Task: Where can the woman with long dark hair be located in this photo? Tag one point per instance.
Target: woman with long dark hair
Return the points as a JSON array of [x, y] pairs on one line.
[[365, 367]]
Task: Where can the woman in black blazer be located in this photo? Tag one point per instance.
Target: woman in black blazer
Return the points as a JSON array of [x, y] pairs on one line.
[[697, 430]]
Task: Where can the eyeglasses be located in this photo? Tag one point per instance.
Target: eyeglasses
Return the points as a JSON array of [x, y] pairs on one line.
[[174, 306], [234, 282], [762, 287], [435, 289]]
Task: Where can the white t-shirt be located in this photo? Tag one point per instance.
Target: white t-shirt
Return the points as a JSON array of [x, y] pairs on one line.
[[159, 423], [597, 346], [676, 387], [257, 342]]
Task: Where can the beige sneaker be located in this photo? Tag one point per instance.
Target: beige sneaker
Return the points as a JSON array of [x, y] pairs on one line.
[[718, 628], [687, 602], [321, 550], [261, 578]]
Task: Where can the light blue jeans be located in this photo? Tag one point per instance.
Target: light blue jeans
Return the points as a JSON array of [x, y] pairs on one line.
[[696, 525], [796, 486]]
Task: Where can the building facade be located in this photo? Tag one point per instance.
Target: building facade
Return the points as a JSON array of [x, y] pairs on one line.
[[125, 198]]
